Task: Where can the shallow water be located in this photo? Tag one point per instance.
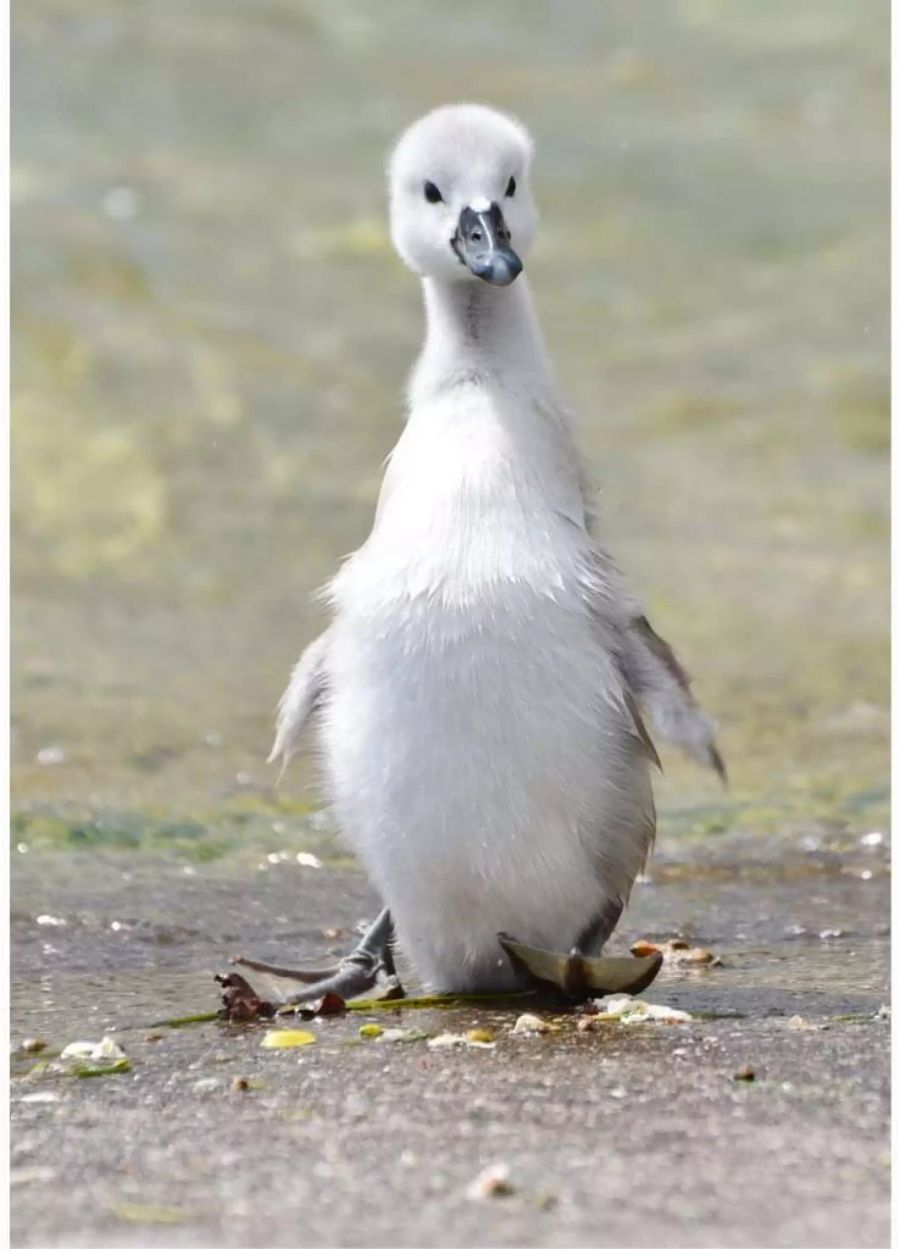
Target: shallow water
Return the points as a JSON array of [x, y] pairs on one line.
[[212, 333]]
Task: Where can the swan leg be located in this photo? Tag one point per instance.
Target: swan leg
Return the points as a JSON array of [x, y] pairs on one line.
[[360, 971], [306, 975]]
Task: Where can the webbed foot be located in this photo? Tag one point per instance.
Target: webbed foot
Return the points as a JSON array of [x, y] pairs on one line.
[[579, 976], [368, 965]]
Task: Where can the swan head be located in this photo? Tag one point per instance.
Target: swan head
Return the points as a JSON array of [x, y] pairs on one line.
[[461, 203]]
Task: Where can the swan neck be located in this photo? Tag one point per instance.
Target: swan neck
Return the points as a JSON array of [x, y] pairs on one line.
[[480, 332]]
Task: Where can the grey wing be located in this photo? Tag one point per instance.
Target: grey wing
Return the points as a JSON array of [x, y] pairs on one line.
[[653, 679], [663, 688], [301, 698], [623, 838]]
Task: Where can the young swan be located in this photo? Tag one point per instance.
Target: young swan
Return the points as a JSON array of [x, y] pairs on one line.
[[478, 690]]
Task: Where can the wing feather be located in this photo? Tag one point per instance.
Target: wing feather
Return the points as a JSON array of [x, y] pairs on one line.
[[663, 688], [301, 698]]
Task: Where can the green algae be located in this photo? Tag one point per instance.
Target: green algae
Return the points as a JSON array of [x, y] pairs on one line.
[[184, 1021], [439, 1001], [145, 1212], [239, 827], [90, 1071]]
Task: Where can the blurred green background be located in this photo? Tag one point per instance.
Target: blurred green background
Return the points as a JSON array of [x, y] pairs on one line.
[[211, 337]]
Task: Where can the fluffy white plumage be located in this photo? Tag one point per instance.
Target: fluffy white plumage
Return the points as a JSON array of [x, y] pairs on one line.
[[477, 689]]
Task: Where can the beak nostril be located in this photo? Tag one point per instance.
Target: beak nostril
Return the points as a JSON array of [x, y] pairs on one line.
[[482, 244]]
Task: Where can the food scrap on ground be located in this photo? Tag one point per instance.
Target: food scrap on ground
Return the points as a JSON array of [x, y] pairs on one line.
[[243, 1084], [92, 1058], [32, 1045], [745, 1073], [107, 1048], [677, 950], [78, 1049], [594, 1022], [636, 1010], [475, 1038], [393, 1035], [286, 1039], [492, 1182], [798, 1024], [533, 1025]]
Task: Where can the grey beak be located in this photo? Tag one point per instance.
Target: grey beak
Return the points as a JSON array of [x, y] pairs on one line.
[[482, 242]]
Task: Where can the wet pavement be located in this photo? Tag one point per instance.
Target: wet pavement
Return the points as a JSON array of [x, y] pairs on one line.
[[635, 1135]]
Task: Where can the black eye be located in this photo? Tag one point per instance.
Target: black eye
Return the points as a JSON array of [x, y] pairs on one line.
[[510, 188], [432, 194]]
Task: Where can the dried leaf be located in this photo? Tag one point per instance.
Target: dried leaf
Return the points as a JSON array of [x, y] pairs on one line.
[[240, 1001], [328, 1004]]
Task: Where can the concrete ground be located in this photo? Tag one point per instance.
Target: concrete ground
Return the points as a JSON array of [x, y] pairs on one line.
[[633, 1135]]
